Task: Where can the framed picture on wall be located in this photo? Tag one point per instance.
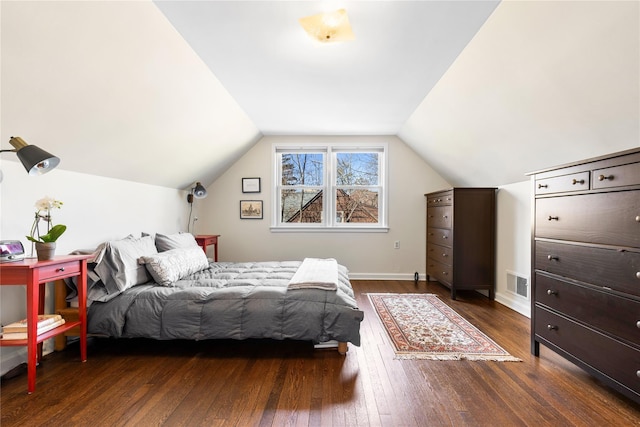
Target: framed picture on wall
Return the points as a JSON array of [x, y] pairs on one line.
[[250, 209], [250, 185]]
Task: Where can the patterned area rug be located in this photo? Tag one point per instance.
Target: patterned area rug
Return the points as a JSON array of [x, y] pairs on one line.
[[421, 326]]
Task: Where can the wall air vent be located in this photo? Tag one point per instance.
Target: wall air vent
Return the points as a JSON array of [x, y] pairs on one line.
[[518, 284]]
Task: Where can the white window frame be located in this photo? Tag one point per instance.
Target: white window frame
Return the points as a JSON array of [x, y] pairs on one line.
[[329, 218]]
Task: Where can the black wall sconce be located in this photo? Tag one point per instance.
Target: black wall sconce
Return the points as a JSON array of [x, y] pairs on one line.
[[199, 192], [34, 159]]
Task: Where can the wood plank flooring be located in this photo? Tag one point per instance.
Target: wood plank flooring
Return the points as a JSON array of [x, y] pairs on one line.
[[273, 383]]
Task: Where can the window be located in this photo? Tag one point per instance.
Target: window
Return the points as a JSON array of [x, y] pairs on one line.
[[352, 176]]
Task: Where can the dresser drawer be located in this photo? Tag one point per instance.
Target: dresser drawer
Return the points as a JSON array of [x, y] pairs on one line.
[[439, 271], [439, 216], [440, 253], [606, 218], [440, 199], [617, 360], [439, 236], [601, 310], [608, 268], [617, 176], [562, 184], [59, 271]]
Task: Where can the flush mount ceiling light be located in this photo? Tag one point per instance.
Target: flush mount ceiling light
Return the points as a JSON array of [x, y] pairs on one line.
[[328, 27]]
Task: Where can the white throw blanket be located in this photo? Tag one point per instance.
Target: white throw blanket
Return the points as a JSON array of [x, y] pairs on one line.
[[316, 273]]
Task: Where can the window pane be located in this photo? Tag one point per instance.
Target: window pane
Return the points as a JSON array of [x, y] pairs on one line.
[[301, 206], [302, 169], [357, 168], [357, 205]]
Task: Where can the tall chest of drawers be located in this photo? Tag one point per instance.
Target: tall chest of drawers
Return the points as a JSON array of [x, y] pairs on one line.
[[586, 266], [461, 238]]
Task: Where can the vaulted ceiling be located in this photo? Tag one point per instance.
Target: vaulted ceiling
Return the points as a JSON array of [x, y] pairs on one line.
[[167, 92]]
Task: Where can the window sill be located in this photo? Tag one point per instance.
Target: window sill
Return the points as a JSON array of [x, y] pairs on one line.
[[329, 229]]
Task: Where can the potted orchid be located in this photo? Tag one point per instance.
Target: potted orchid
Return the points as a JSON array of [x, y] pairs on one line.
[[46, 243]]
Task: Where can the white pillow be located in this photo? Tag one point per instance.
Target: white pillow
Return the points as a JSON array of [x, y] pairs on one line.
[[117, 263], [170, 266]]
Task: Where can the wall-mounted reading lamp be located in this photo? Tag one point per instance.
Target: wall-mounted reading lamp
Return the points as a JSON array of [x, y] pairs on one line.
[[34, 159], [199, 192]]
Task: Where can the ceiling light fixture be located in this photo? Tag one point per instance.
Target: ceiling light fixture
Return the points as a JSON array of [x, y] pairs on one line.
[[34, 159], [328, 27]]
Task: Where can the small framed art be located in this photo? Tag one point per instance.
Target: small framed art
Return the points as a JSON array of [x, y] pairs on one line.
[[250, 209], [250, 185]]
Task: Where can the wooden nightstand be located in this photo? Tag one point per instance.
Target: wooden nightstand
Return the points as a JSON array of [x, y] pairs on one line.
[[35, 274], [205, 240]]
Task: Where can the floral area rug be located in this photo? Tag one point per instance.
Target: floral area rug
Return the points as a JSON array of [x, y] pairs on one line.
[[421, 326]]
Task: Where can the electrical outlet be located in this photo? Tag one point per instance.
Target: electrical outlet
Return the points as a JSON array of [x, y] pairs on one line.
[[396, 244]]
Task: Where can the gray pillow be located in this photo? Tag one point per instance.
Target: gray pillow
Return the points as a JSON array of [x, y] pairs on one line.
[[117, 263], [175, 241], [170, 266]]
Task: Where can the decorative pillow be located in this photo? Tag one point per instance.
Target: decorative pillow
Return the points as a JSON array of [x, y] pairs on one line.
[[175, 241], [117, 263], [170, 266]]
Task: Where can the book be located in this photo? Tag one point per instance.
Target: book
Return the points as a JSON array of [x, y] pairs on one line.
[[21, 326], [23, 335]]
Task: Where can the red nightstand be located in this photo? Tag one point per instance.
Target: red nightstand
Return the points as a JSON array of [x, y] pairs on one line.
[[34, 274], [205, 240]]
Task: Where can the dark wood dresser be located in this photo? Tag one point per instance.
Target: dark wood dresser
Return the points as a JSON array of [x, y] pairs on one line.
[[461, 233], [586, 266]]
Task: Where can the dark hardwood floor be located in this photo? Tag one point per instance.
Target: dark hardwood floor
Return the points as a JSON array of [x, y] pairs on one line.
[[272, 383]]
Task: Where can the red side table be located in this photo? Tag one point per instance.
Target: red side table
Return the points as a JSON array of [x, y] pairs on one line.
[[205, 240], [34, 274]]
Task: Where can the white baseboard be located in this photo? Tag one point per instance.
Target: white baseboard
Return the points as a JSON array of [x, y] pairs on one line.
[[18, 356], [513, 302], [384, 276], [10, 361], [518, 304]]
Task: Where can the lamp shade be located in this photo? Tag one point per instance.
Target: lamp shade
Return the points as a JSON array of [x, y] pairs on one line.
[[199, 192], [34, 159]]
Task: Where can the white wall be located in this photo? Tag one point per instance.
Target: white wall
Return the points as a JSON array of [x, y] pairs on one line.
[[513, 248], [95, 209], [367, 255]]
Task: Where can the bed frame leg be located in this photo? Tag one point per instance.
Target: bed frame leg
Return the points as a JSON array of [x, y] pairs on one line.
[[342, 348]]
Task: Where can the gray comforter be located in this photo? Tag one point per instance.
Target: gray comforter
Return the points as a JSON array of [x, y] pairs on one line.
[[232, 300]]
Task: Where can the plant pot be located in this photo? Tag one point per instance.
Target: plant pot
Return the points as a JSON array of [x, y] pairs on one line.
[[45, 251]]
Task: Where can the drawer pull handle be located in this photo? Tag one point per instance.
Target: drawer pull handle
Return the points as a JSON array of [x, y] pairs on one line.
[[553, 218], [444, 216], [445, 273], [551, 292], [638, 324], [60, 269], [444, 255], [638, 275], [577, 181], [638, 374], [603, 177], [445, 236], [552, 327], [552, 258], [542, 186], [638, 218]]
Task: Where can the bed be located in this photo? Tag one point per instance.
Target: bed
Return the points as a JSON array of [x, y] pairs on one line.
[[163, 287]]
